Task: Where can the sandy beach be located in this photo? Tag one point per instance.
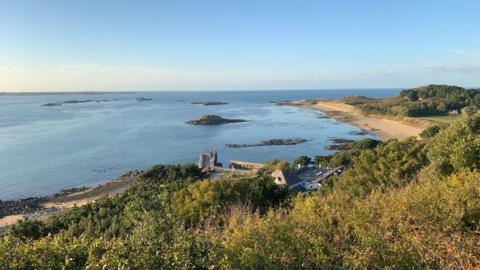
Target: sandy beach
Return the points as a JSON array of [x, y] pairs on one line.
[[53, 205], [385, 128]]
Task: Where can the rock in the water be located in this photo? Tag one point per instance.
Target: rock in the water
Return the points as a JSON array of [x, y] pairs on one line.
[[361, 132], [79, 101], [341, 141], [339, 144], [74, 101], [269, 142], [51, 104], [68, 102], [337, 147], [213, 120], [142, 99], [210, 103]]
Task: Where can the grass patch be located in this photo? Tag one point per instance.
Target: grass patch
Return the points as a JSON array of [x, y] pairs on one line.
[[443, 119]]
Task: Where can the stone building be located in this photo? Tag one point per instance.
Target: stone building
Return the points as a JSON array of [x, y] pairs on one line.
[[207, 159]]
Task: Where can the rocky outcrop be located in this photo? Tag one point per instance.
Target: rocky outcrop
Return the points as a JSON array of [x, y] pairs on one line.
[[21, 206], [269, 142], [337, 147], [339, 144], [68, 191], [341, 141], [213, 120], [361, 132]]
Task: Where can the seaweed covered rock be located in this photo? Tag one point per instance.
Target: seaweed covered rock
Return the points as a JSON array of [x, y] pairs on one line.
[[213, 120]]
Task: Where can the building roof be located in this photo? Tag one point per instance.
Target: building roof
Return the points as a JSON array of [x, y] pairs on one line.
[[331, 172], [289, 178], [297, 188]]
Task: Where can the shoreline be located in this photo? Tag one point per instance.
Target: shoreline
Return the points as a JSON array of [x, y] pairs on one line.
[[385, 128], [54, 204]]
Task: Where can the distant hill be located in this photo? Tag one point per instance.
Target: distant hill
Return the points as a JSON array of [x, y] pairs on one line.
[[430, 100]]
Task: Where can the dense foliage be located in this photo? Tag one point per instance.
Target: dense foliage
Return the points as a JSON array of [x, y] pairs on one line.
[[162, 173], [430, 132], [422, 101], [302, 161], [457, 148], [413, 204], [345, 157]]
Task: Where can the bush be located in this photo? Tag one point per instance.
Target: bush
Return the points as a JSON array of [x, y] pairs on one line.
[[365, 144], [28, 229], [430, 132], [457, 147], [302, 161], [165, 173], [208, 200]]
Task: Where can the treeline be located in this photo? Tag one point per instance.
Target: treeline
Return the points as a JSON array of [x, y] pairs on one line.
[[412, 204], [428, 100]]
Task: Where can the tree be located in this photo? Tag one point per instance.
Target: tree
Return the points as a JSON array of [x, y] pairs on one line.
[[302, 161], [164, 173], [275, 164], [430, 132], [208, 200], [457, 147], [322, 161], [365, 144], [32, 229], [412, 95]]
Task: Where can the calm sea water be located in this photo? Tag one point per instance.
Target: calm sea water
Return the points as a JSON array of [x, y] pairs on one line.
[[46, 149]]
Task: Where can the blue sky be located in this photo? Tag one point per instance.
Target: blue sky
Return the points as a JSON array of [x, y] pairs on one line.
[[219, 45]]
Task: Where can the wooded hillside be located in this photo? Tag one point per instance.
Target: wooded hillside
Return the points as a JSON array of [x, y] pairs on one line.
[[430, 100]]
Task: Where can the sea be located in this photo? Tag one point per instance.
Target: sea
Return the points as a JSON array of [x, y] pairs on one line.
[[44, 149]]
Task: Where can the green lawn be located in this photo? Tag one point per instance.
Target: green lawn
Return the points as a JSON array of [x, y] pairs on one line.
[[444, 119]]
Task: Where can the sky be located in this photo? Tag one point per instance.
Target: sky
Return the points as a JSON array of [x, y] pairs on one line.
[[63, 45]]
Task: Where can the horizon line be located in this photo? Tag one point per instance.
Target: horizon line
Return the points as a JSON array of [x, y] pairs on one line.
[[193, 90], [3, 92]]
